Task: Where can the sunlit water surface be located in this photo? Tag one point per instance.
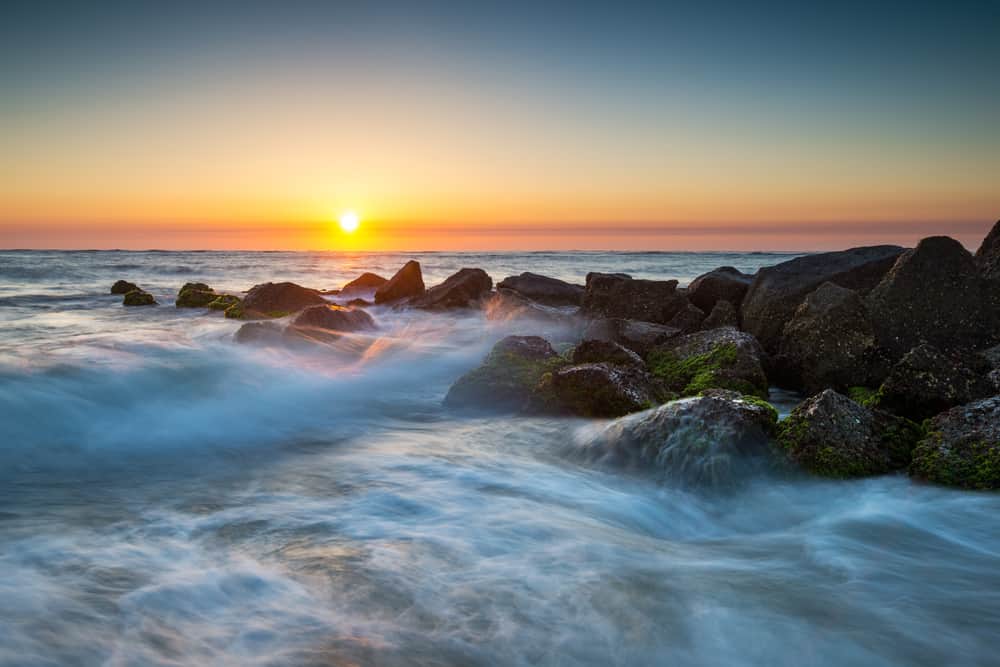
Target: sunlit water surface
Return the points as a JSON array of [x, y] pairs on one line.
[[170, 498]]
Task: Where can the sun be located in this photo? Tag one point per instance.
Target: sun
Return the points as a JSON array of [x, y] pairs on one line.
[[349, 221]]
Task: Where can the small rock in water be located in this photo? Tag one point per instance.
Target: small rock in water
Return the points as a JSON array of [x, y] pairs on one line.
[[123, 287], [138, 297], [195, 295]]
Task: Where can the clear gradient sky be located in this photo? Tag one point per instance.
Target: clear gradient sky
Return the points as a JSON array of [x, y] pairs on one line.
[[703, 125]]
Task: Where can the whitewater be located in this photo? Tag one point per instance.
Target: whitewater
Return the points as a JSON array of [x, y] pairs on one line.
[[168, 497]]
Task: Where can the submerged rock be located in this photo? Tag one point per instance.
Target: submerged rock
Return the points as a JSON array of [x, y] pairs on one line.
[[259, 333], [830, 435], [543, 289], [461, 290], [407, 283], [722, 358], [366, 282], [270, 300], [699, 441], [777, 291], [123, 287], [617, 295], [723, 284], [640, 337], [138, 297], [830, 343], [195, 295], [962, 447], [933, 294], [334, 318], [603, 389]]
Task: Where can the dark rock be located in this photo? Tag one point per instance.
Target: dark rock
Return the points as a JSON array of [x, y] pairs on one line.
[[334, 318], [619, 296], [278, 300], [723, 314], [123, 287], [777, 291], [542, 289], [723, 358], [830, 435], [702, 441], [830, 343], [603, 389], [962, 447], [689, 318], [507, 305], [138, 297], [195, 295], [259, 333], [359, 303], [366, 282], [407, 283], [927, 381], [723, 284], [463, 289], [933, 294], [510, 378], [597, 351], [640, 337], [988, 255]]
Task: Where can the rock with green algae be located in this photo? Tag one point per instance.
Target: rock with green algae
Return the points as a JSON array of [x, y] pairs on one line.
[[223, 302], [123, 287], [602, 389], [723, 358], [831, 435], [138, 297], [962, 447], [195, 295]]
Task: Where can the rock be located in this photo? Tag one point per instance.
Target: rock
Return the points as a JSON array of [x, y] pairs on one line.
[[223, 302], [123, 287], [334, 318], [777, 291], [509, 377], [962, 447], [542, 289], [278, 300], [723, 358], [597, 351], [689, 318], [927, 381], [830, 344], [259, 333], [195, 295], [359, 303], [366, 282], [830, 435], [722, 284], [507, 305], [723, 314], [610, 295], [463, 289], [640, 337], [700, 441], [933, 294], [138, 297], [603, 389], [988, 255], [407, 283]]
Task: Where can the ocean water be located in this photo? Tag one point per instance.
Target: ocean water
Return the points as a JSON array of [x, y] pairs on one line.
[[168, 497]]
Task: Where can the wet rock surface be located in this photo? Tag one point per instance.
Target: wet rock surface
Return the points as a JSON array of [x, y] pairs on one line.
[[407, 283], [464, 289], [962, 447], [543, 289]]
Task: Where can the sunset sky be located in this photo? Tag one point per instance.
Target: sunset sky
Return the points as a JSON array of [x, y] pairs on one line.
[[502, 126]]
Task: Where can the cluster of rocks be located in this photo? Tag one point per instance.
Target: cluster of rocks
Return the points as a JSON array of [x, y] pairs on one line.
[[132, 294], [896, 349]]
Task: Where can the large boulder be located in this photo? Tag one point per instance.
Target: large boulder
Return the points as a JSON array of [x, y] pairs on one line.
[[123, 287], [195, 295], [962, 447], [363, 284], [603, 389], [724, 314], [927, 381], [723, 358], [933, 294], [615, 295], [638, 336], [407, 283], [543, 289], [463, 289], [777, 291], [830, 343], [598, 351], [278, 300], [723, 284], [138, 297], [830, 435], [988, 255], [334, 318], [701, 441], [509, 378]]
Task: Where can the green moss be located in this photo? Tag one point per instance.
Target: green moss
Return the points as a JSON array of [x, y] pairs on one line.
[[899, 438], [235, 311], [972, 465], [275, 314], [223, 302], [865, 396], [756, 400], [692, 375]]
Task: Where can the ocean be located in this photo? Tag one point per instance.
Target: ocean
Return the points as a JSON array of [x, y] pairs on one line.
[[168, 497]]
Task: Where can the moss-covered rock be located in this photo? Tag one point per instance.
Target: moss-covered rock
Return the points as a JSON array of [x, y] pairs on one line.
[[123, 287], [723, 358], [138, 297], [830, 435], [195, 295], [962, 447], [603, 389], [235, 311], [223, 302]]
